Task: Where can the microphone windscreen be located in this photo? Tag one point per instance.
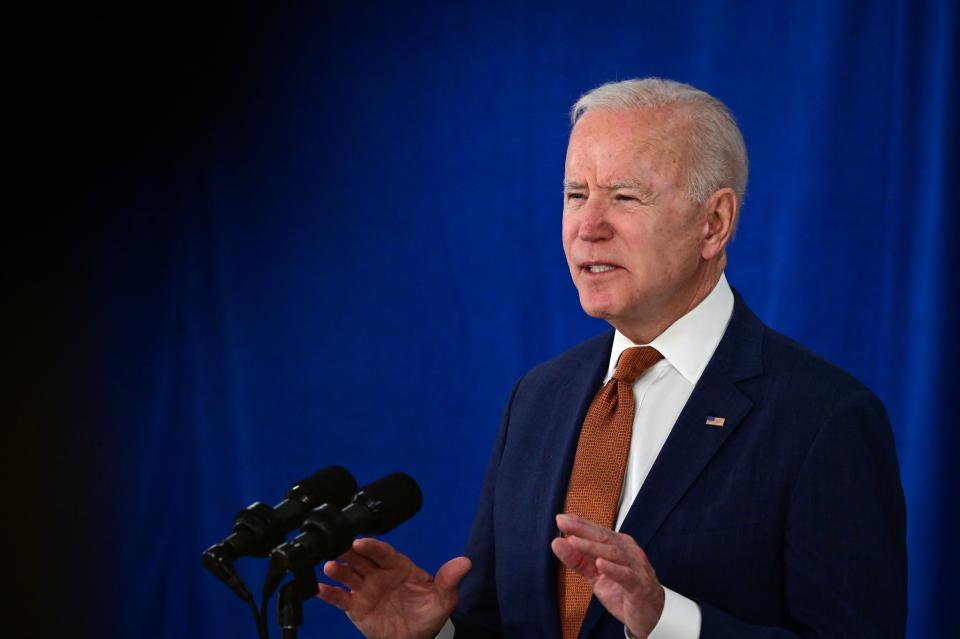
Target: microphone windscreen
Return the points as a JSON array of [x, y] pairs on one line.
[[391, 500], [333, 485]]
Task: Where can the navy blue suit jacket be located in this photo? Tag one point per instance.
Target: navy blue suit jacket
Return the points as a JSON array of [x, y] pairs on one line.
[[787, 521]]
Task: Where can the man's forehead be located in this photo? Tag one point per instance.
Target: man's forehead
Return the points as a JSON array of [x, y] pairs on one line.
[[636, 149], [639, 169], [636, 131]]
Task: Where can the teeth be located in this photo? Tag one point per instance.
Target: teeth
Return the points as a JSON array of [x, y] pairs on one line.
[[599, 268]]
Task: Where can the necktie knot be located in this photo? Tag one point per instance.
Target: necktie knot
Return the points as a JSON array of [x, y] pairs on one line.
[[634, 362]]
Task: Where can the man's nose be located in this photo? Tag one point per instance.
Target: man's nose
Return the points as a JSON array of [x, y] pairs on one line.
[[595, 226]]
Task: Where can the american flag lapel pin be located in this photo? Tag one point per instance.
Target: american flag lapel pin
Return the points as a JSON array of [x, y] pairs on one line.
[[716, 421]]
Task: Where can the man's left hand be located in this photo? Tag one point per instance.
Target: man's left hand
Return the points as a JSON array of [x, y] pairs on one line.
[[617, 568]]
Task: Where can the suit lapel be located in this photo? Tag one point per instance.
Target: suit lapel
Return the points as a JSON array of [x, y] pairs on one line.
[[692, 442]]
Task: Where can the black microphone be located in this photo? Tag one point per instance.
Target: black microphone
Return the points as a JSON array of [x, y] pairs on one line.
[[329, 531], [258, 527]]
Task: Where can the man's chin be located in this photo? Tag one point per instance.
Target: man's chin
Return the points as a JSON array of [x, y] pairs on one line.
[[598, 310]]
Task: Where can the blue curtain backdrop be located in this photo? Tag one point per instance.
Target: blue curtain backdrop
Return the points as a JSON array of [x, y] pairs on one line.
[[350, 255]]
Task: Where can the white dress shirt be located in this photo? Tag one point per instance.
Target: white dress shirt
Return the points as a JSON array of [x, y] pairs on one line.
[[659, 396]]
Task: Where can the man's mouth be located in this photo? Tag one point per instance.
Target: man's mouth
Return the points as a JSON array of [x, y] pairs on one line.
[[599, 268]]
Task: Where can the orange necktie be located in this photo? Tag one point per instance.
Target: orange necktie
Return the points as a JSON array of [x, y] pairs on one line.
[[598, 468]]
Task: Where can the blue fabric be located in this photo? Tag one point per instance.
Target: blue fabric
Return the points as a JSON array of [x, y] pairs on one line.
[[355, 257], [788, 521]]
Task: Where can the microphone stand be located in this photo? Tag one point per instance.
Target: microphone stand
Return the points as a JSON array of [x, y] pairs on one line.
[[302, 587]]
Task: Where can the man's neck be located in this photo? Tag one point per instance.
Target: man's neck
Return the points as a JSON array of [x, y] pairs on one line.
[[646, 332]]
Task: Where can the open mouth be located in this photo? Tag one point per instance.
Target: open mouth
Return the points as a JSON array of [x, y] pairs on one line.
[[599, 268]]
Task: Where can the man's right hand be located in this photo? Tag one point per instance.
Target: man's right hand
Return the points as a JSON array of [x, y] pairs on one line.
[[390, 597]]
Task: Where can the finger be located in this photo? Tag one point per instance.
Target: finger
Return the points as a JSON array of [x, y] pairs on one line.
[[609, 550], [643, 587], [343, 573], [624, 576], [334, 596], [450, 573], [575, 525], [573, 558], [380, 553], [358, 562]]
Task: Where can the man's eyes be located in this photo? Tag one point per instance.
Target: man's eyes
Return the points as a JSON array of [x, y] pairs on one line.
[[618, 197]]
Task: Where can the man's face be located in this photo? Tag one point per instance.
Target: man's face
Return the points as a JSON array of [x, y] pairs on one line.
[[632, 238]]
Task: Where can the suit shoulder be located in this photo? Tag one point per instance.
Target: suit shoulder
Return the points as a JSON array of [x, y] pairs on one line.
[[792, 363], [591, 352]]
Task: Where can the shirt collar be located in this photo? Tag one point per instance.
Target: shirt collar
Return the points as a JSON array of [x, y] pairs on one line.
[[689, 343]]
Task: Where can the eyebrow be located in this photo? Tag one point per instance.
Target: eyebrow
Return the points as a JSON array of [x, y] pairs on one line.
[[639, 185]]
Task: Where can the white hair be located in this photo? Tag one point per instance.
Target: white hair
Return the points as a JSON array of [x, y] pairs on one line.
[[716, 151]]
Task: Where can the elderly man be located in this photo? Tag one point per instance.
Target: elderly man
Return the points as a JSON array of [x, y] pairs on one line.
[[691, 473]]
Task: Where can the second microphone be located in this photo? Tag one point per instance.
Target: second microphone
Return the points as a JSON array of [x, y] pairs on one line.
[[329, 531]]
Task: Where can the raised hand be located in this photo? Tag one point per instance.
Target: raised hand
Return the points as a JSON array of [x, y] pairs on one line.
[[617, 568], [389, 596]]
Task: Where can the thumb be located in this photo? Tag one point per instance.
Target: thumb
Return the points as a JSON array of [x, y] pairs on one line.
[[450, 573]]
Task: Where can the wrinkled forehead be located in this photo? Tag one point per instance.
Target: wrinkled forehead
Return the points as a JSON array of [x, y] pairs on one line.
[[615, 145]]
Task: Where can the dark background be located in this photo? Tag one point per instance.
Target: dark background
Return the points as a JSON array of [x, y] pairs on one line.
[[246, 243]]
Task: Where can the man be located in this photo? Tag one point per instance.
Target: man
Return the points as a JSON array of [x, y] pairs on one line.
[[753, 487]]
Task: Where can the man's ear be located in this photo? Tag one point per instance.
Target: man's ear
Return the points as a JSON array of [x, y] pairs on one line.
[[721, 217]]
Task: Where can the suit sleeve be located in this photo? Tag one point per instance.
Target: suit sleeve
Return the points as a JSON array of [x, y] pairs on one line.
[[844, 547], [478, 612]]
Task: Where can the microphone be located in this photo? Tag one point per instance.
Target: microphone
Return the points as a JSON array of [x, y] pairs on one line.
[[258, 527], [329, 532]]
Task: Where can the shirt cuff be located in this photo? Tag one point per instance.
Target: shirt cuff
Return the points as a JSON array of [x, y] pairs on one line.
[[447, 631], [680, 619]]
